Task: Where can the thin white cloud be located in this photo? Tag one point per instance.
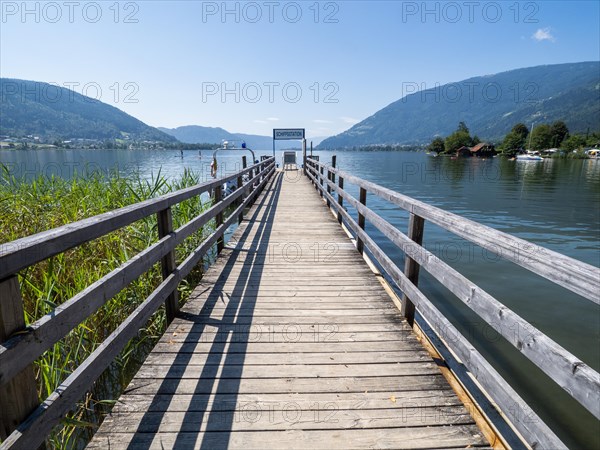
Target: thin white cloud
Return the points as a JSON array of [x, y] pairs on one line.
[[350, 120], [322, 121], [543, 34], [260, 121], [273, 119]]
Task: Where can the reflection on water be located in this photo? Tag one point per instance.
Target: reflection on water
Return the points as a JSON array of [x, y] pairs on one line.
[[554, 203]]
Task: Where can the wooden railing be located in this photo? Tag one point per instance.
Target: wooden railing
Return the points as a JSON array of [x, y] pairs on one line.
[[24, 422], [565, 369]]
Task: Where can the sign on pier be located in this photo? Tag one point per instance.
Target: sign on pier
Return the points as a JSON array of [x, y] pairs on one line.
[[280, 134]]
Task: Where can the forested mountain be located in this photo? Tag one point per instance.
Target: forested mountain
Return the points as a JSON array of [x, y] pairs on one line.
[[490, 105], [53, 112]]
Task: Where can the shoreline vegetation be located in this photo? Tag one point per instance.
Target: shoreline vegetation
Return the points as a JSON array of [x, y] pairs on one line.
[[31, 206], [37, 143], [552, 139]]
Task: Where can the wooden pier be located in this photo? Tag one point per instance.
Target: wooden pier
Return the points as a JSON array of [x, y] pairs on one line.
[[293, 338], [289, 342]]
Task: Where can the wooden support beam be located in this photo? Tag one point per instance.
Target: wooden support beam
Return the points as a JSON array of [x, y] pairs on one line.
[[18, 397], [240, 183], [340, 198], [321, 180], [416, 226], [168, 264], [360, 245], [333, 165], [219, 217], [330, 177]]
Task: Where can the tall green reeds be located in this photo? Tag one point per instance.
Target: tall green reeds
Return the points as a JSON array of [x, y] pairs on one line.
[[31, 206]]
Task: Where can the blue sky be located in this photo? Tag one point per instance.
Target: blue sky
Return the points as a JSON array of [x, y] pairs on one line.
[[253, 66]]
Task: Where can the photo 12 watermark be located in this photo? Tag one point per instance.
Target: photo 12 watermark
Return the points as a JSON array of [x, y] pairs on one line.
[[69, 12], [284, 332], [270, 12], [70, 91], [470, 12], [471, 91], [269, 92]]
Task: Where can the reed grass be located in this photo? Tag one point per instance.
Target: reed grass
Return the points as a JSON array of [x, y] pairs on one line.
[[31, 206]]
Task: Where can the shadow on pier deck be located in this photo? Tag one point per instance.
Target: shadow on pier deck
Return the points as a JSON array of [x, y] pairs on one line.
[[290, 341]]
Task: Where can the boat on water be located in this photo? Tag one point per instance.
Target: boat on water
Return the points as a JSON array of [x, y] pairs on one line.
[[529, 155], [529, 158], [593, 153]]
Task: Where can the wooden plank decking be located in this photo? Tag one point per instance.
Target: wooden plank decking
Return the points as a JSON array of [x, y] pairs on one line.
[[290, 341]]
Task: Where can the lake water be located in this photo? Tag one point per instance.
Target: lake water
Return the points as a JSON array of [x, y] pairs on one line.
[[553, 203]]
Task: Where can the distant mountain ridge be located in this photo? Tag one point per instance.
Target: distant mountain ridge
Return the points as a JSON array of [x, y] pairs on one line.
[[49, 111], [196, 134], [490, 105]]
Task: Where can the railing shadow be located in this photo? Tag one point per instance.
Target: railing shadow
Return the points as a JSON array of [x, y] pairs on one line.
[[228, 360]]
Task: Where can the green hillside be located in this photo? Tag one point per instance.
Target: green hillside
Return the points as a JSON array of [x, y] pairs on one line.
[[490, 105], [52, 112]]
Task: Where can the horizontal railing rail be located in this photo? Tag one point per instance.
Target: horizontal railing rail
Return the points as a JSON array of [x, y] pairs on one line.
[[22, 345], [565, 369]]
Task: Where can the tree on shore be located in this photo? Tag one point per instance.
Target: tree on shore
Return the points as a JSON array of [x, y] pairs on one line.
[[437, 145], [546, 136], [559, 132], [514, 140], [541, 137], [575, 142], [460, 138]]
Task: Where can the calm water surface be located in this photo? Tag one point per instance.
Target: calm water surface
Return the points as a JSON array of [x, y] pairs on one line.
[[553, 203]]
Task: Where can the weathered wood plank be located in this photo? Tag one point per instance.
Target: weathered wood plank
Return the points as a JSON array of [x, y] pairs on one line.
[[253, 418], [257, 326], [247, 359], [269, 371], [343, 400], [152, 386], [291, 333], [287, 347], [409, 438], [189, 313]]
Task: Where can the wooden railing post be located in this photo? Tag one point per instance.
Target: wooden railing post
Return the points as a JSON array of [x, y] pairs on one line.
[[18, 397], [416, 226], [328, 187], [360, 246], [304, 168], [340, 198], [321, 181], [168, 263], [240, 183], [333, 164], [317, 177], [330, 177], [219, 218]]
